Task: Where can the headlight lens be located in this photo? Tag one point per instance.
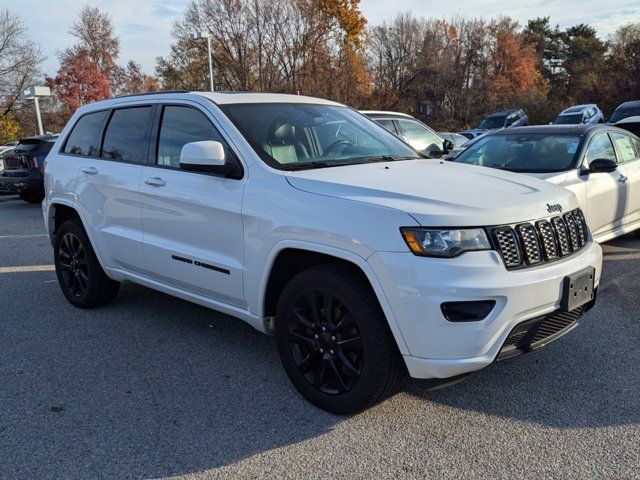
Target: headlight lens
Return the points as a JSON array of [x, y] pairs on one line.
[[445, 243]]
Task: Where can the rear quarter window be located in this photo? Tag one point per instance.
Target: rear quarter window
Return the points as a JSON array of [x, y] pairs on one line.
[[84, 139]]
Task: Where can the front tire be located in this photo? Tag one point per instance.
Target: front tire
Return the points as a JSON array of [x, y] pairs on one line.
[[80, 275], [334, 341]]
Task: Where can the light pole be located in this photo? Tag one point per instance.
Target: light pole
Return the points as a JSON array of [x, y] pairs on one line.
[[33, 92], [207, 35]]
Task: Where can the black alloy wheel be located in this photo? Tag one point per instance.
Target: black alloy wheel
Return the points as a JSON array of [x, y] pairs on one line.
[[80, 275], [74, 269], [325, 343], [334, 340]]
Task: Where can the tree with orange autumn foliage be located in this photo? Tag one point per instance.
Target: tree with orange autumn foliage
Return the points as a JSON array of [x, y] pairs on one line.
[[79, 80], [512, 63]]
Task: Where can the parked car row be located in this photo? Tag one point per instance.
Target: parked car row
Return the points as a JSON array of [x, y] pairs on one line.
[[365, 258], [607, 187]]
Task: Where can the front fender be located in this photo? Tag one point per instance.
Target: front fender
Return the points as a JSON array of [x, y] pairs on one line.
[[257, 298]]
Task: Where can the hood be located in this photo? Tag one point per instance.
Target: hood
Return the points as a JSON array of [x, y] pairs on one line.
[[438, 193]]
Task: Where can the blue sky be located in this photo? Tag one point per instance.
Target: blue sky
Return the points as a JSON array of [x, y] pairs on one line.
[[144, 25]]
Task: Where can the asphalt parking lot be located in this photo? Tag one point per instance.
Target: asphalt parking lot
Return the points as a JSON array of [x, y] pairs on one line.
[[152, 386]]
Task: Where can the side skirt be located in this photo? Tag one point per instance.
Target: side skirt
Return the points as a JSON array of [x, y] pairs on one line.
[[258, 323]]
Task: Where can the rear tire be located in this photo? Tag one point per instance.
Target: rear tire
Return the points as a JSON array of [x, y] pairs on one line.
[[31, 197], [334, 341], [80, 275]]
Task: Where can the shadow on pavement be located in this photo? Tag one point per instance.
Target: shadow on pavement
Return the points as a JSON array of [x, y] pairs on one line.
[[150, 386]]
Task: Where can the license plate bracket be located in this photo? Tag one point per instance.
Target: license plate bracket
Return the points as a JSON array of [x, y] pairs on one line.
[[578, 289]]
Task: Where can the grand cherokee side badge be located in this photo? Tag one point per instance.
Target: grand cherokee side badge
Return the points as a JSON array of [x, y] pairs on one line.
[[554, 208]]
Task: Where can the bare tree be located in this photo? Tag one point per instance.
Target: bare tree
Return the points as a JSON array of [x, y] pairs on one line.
[[97, 35], [295, 46], [20, 60]]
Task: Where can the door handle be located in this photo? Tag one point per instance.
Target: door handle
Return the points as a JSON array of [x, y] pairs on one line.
[[623, 179], [155, 182], [90, 170]]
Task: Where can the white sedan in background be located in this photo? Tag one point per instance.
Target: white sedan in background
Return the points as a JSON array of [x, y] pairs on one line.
[[599, 163], [417, 134]]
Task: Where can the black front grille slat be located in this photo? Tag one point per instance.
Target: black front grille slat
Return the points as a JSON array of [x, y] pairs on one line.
[[581, 225], [509, 246], [548, 240], [562, 235], [529, 240], [531, 244], [574, 238]]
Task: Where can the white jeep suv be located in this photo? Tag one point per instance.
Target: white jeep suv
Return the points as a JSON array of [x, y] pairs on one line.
[[306, 219]]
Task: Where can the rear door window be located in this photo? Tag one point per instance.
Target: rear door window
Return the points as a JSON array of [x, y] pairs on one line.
[[85, 137], [126, 137]]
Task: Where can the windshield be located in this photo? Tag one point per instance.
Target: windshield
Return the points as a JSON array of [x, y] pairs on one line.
[[620, 113], [493, 122], [568, 119], [523, 153], [291, 136]]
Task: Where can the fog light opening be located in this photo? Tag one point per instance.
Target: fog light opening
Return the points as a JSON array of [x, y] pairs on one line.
[[474, 311]]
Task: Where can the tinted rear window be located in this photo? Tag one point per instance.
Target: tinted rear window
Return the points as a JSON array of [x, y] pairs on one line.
[[569, 119], [85, 136], [494, 122], [126, 135]]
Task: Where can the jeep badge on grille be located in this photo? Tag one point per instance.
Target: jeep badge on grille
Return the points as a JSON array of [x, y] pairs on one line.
[[552, 208]]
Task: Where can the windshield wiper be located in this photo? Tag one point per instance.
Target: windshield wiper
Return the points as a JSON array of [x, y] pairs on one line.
[[315, 164], [387, 158], [344, 162]]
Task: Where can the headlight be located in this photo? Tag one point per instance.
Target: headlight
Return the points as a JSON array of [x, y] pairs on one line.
[[445, 243]]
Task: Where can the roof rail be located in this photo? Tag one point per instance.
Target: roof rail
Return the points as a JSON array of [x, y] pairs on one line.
[[151, 93]]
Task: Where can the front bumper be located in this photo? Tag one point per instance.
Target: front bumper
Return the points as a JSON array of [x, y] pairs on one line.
[[16, 181], [416, 287]]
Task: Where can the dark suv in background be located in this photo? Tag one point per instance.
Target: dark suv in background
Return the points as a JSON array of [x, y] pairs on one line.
[[24, 168], [625, 110], [512, 117]]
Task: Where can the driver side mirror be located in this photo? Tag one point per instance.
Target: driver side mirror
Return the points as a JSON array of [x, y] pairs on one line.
[[447, 146], [602, 165], [207, 157]]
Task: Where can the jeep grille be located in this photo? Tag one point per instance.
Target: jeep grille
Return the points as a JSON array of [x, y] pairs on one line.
[[530, 244]]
